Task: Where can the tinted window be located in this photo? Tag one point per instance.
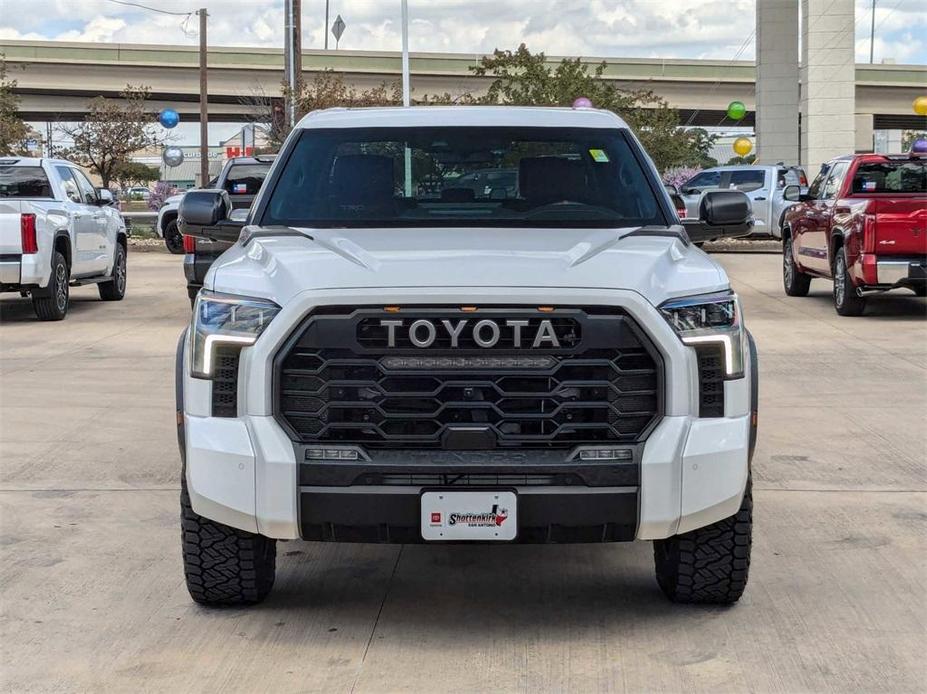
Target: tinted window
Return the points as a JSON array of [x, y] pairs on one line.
[[891, 177], [69, 183], [463, 176], [24, 182], [246, 179], [747, 181], [705, 179], [815, 189], [832, 187], [86, 187]]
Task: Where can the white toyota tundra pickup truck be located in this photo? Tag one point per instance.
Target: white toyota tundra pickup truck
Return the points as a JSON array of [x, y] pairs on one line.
[[387, 354], [57, 231]]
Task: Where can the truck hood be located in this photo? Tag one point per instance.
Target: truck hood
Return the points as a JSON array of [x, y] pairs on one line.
[[279, 267]]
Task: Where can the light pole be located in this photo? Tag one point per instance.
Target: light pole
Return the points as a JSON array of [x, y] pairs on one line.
[[872, 34], [292, 54], [204, 111], [406, 89]]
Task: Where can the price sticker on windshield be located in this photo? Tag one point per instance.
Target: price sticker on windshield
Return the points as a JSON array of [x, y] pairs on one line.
[[599, 155]]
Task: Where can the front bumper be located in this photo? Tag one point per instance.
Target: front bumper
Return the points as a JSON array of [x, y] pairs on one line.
[[247, 473]]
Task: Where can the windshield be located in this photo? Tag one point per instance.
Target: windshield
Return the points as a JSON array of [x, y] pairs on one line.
[[24, 182], [463, 176], [891, 177], [246, 179]]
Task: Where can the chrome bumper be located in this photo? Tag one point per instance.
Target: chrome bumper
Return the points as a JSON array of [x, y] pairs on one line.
[[891, 272]]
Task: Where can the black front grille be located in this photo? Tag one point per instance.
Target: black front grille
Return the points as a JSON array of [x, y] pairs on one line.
[[710, 380], [338, 382]]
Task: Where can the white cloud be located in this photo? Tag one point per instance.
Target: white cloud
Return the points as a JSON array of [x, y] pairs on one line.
[[627, 28]]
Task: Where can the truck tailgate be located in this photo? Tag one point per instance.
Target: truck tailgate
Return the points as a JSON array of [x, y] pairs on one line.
[[10, 230], [900, 224]]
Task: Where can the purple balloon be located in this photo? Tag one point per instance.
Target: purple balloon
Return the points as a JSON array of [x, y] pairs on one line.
[[582, 102], [919, 146]]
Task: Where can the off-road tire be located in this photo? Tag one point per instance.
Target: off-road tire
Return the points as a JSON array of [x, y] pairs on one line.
[[223, 565], [708, 565], [173, 239], [795, 282], [52, 303], [115, 289], [847, 299]]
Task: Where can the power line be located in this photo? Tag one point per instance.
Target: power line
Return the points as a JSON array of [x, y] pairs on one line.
[[152, 9]]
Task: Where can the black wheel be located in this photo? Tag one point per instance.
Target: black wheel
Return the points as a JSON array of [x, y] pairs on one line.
[[795, 282], [223, 565], [847, 299], [115, 289], [52, 303], [708, 565], [173, 239]]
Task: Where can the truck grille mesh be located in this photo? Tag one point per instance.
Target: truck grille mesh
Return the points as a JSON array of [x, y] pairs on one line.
[[711, 380], [360, 393]]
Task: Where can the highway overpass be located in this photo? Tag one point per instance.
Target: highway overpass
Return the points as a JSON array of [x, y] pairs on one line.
[[56, 79]]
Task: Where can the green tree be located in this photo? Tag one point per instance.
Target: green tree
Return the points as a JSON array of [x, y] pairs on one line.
[[128, 173], [13, 130], [524, 78], [113, 129]]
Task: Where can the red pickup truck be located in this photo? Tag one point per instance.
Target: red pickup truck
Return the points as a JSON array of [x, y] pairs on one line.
[[863, 224]]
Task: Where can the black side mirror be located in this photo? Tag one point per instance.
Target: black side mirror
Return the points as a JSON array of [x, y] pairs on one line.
[[205, 214], [792, 193], [671, 189], [722, 214]]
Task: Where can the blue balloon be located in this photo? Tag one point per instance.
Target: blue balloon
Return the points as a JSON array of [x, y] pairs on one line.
[[169, 118]]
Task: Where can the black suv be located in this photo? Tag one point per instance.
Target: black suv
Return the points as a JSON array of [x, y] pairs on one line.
[[241, 178]]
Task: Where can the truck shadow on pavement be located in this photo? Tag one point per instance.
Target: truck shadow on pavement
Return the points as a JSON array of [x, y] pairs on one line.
[[15, 309], [464, 593], [896, 304]]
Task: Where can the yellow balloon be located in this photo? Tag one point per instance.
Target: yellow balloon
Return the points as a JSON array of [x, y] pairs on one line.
[[742, 146], [920, 106]]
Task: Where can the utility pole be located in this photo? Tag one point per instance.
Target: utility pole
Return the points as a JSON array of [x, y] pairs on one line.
[[872, 34], [204, 114], [326, 25], [292, 54]]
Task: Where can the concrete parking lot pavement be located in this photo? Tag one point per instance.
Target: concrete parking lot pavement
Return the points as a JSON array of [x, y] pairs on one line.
[[92, 587]]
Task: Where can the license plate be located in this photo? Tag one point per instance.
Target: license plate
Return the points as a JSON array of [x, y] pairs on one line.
[[471, 515]]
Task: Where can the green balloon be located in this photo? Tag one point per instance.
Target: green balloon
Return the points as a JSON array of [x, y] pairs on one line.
[[736, 110]]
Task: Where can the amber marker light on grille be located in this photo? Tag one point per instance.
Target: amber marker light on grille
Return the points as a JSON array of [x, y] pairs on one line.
[[391, 309], [546, 309], [468, 309]]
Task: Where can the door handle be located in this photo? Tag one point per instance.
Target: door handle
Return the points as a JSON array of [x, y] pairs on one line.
[[760, 199]]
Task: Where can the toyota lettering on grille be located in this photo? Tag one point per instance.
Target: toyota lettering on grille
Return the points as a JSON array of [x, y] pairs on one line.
[[484, 333]]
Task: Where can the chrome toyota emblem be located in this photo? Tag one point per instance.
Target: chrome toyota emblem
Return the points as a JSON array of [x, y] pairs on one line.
[[485, 333]]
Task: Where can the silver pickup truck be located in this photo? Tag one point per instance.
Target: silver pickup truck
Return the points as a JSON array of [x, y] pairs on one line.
[[57, 231], [764, 185]]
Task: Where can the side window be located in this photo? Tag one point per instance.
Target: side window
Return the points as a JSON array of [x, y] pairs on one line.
[[832, 187], [70, 185], [818, 183], [748, 181], [86, 187]]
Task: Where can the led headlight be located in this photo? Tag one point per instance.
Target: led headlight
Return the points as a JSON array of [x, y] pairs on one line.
[[710, 319], [223, 319]]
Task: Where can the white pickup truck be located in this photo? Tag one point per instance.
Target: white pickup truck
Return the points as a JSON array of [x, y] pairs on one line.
[[389, 353], [57, 231]]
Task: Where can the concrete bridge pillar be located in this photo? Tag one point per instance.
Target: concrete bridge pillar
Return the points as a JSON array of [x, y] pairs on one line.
[[828, 81], [777, 90]]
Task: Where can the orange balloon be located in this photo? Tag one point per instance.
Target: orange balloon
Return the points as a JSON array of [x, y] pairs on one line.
[[742, 146]]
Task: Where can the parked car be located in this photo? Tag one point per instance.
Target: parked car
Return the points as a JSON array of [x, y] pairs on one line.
[[137, 193], [57, 231], [167, 226], [372, 362], [863, 225], [241, 179], [764, 185]]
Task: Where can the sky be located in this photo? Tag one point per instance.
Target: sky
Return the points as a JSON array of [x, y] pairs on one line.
[[599, 28]]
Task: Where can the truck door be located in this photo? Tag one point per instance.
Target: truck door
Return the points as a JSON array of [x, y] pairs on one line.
[[98, 223], [82, 228], [758, 186], [809, 230]]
